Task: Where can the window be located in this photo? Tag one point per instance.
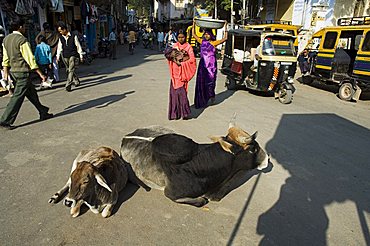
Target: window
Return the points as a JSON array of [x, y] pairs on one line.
[[357, 41], [279, 46], [344, 43], [330, 39], [366, 44]]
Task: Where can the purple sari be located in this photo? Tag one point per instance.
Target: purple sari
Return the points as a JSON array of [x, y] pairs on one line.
[[206, 76]]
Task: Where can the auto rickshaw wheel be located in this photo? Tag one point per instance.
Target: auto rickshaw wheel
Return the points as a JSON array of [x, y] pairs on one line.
[[231, 84], [346, 91], [285, 96]]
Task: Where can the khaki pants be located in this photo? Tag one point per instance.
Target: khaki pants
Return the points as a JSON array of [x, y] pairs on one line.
[[70, 64]]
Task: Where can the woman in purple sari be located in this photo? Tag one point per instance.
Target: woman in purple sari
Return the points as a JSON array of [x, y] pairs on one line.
[[207, 70]]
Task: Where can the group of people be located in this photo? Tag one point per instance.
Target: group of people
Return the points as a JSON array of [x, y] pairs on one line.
[[17, 56], [182, 65]]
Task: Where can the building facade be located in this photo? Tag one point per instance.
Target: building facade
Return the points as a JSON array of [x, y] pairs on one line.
[[167, 10], [93, 18]]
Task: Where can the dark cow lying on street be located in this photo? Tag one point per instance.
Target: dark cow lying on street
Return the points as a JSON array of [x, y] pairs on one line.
[[189, 172], [97, 177]]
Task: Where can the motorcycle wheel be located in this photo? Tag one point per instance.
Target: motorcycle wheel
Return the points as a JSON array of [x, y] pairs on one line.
[[285, 96]]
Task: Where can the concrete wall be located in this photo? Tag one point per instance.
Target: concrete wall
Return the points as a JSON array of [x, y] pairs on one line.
[[346, 8], [285, 10]]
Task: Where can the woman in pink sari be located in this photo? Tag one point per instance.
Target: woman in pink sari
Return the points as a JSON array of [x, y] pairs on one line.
[[182, 69]]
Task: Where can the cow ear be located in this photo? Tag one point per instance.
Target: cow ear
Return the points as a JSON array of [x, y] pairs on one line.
[[225, 145], [100, 179]]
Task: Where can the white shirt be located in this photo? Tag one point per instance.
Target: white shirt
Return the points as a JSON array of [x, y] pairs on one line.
[[160, 36], [77, 43]]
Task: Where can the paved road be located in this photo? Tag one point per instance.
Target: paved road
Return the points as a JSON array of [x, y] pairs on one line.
[[316, 194]]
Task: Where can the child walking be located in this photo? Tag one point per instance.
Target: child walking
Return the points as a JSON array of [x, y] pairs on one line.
[[44, 61]]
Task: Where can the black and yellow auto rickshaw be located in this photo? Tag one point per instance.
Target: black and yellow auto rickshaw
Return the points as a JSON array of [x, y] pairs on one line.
[[341, 55], [276, 26], [260, 61]]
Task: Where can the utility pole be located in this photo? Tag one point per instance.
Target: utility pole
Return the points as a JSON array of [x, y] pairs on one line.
[[243, 13], [215, 9], [232, 14]]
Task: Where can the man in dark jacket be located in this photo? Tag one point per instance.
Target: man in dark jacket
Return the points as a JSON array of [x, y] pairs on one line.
[[70, 49], [18, 59]]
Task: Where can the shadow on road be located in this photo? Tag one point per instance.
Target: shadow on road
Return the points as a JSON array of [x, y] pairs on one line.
[[327, 158], [95, 103], [84, 84], [220, 98], [365, 95], [100, 102]]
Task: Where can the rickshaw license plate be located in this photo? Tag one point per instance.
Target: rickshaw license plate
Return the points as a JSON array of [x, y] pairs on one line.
[[286, 63]]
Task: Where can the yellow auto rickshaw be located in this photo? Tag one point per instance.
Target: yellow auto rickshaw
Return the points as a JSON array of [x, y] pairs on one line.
[[341, 55], [277, 26]]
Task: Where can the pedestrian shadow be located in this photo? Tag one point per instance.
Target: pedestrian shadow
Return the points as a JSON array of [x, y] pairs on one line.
[[100, 102], [327, 158], [219, 98], [86, 83]]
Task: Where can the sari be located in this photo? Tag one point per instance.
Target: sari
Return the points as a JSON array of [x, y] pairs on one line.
[[206, 76], [180, 76]]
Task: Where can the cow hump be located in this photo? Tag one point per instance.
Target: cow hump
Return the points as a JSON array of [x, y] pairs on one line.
[[174, 148]]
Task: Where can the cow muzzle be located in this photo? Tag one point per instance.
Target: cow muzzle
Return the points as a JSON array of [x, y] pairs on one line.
[[264, 163], [69, 202]]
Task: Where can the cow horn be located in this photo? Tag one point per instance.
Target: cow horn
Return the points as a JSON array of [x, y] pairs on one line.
[[232, 121], [248, 140], [100, 179]]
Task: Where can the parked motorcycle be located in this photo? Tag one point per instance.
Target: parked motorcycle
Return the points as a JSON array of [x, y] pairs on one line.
[[103, 47]]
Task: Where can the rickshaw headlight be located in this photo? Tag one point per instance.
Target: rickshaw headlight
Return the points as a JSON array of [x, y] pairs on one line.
[[290, 80]]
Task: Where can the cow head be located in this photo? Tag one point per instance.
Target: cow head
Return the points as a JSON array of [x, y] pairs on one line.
[[84, 181], [244, 146]]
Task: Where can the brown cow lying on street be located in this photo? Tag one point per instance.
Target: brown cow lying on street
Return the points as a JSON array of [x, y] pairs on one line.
[[97, 177]]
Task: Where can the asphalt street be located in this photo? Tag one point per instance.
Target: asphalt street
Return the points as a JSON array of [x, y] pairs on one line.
[[317, 192]]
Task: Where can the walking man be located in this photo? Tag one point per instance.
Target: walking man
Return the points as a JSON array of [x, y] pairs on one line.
[[160, 37], [113, 44], [69, 48], [18, 59]]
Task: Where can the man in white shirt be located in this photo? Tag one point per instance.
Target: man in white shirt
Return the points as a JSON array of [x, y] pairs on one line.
[[113, 44], [69, 48], [160, 37]]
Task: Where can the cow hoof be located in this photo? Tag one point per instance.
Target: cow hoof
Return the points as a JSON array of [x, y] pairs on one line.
[[74, 215], [197, 202], [54, 199], [214, 199], [106, 214], [107, 211]]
